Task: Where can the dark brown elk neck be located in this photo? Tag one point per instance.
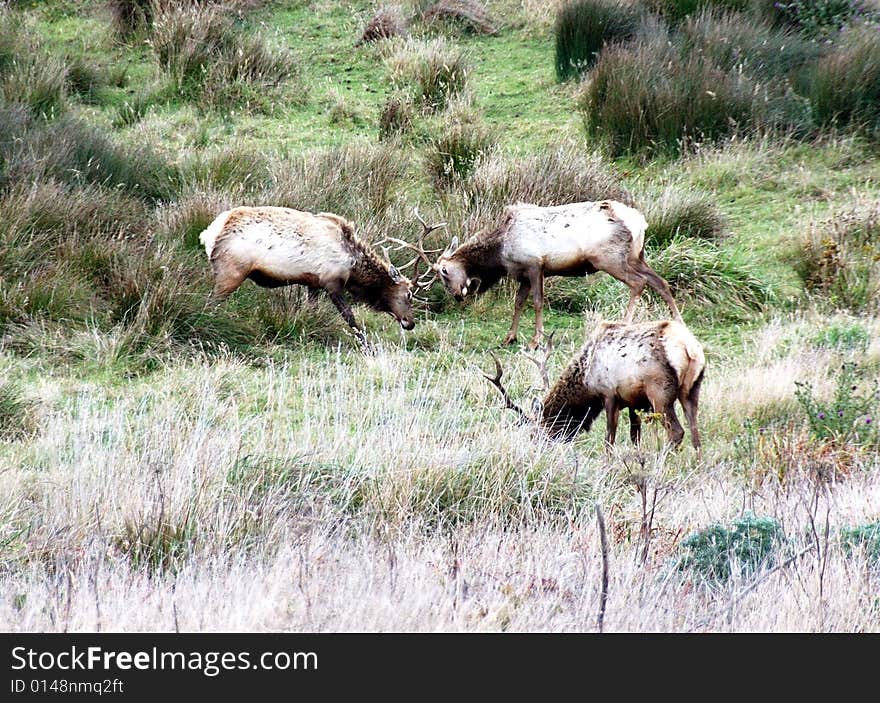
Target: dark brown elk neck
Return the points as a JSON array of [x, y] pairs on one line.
[[369, 273], [481, 256], [568, 405]]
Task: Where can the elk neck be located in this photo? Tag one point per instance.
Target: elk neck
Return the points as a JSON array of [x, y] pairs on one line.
[[481, 255]]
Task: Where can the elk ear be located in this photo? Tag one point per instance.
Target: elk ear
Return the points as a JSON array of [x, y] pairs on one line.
[[453, 245], [394, 273]]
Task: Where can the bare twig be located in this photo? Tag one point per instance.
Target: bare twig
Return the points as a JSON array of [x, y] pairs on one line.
[[603, 597]]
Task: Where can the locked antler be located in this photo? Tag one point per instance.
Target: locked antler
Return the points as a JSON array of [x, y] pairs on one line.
[[496, 381], [541, 363], [421, 254]]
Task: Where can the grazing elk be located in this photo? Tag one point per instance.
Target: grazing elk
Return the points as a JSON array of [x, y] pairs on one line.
[[276, 246], [645, 366], [533, 242]]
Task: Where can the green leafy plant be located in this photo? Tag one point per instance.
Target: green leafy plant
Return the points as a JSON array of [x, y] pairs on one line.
[[850, 417], [865, 537], [741, 548]]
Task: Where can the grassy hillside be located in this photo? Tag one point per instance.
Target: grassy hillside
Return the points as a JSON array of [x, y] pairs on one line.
[[247, 466]]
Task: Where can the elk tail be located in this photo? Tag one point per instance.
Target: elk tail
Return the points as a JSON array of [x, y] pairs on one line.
[[209, 235], [693, 374]]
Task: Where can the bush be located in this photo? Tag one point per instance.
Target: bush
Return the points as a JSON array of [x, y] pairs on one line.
[[840, 258], [452, 155], [862, 537], [740, 549], [15, 412], [677, 10], [356, 181], [852, 415], [677, 213], [388, 22], [434, 70], [72, 152], [396, 116], [845, 84], [820, 18], [716, 282], [566, 174], [28, 75], [648, 98], [468, 16], [206, 55], [736, 41], [131, 17], [583, 27], [843, 337]]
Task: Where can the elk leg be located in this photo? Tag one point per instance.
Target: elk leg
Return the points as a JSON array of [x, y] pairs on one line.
[[312, 295], [538, 301], [345, 310], [659, 284], [673, 426], [635, 426], [612, 415], [689, 403], [521, 295], [632, 280], [226, 281]]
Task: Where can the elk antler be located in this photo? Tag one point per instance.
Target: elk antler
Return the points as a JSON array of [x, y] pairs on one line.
[[421, 254], [541, 362], [496, 381]]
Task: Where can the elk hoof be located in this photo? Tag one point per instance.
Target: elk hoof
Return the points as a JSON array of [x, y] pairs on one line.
[[535, 343], [509, 339]]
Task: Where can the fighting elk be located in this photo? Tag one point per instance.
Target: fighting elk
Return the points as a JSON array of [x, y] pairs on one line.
[[275, 246], [645, 366], [533, 242]]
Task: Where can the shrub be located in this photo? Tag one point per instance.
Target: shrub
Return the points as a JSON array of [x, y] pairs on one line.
[[845, 84], [648, 98], [862, 537], [28, 75], [840, 258], [206, 55], [70, 151], [850, 417], [15, 411], [388, 22], [452, 155], [676, 10], [465, 15], [843, 337], [396, 116], [131, 17], [736, 41], [356, 180], [820, 18], [583, 27], [716, 282], [678, 213], [740, 549], [435, 70], [566, 174]]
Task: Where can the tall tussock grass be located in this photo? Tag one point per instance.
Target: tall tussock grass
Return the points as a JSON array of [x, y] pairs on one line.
[[845, 85], [356, 181], [433, 71], [840, 258], [567, 174], [71, 151], [29, 76], [676, 212], [453, 152], [649, 97], [204, 51], [584, 27]]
